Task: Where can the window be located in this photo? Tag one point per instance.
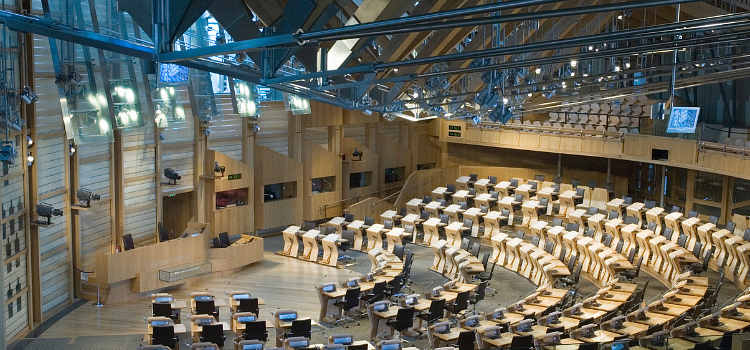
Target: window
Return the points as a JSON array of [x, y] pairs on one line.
[[231, 198], [363, 179], [741, 191], [395, 174], [323, 184], [707, 210], [708, 187], [284, 190], [426, 166]]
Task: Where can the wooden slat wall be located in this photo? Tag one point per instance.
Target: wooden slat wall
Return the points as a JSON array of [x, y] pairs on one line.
[[14, 229], [140, 192], [274, 127], [355, 132], [94, 174], [177, 147], [389, 129], [226, 130], [55, 264], [318, 136]]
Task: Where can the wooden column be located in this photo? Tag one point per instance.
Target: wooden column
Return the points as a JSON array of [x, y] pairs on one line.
[[371, 135], [334, 138], [296, 135], [249, 140]]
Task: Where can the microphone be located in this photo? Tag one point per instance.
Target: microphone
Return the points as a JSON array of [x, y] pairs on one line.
[[225, 288]]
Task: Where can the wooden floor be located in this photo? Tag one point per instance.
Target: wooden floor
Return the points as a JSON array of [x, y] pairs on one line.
[[283, 283]]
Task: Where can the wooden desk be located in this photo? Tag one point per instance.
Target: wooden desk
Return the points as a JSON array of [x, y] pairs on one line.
[[291, 241], [395, 237], [411, 220], [566, 203], [388, 215], [451, 336], [375, 236], [412, 206], [492, 223], [356, 226], [474, 214], [453, 233], [433, 208], [439, 192], [616, 206], [330, 245], [452, 211], [431, 231], [196, 330], [310, 245], [462, 183], [549, 193], [529, 210], [178, 329], [337, 223]]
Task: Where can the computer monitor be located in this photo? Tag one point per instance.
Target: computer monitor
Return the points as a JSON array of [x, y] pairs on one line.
[[442, 327], [492, 332], [163, 299], [472, 321], [553, 318], [245, 319], [369, 277], [393, 344], [524, 326], [297, 342], [411, 299], [329, 287], [380, 306], [289, 316], [354, 282], [255, 346], [334, 347], [158, 323], [436, 292], [619, 346], [203, 321], [205, 346], [203, 297], [345, 339], [498, 314], [241, 296], [587, 331], [617, 322]]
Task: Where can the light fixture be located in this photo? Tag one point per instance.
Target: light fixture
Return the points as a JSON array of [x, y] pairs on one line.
[[47, 211], [85, 196], [505, 100], [298, 105], [619, 17], [219, 168], [8, 152], [591, 47], [29, 159], [573, 63], [256, 127], [29, 141], [617, 68], [28, 96], [530, 94], [538, 71], [71, 149], [172, 175]]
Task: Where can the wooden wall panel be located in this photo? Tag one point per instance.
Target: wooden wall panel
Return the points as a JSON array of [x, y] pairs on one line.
[[50, 164], [96, 223], [392, 155], [322, 115], [226, 131], [317, 136], [369, 163], [237, 219], [318, 162], [55, 262], [273, 167], [274, 127], [389, 129], [355, 132]]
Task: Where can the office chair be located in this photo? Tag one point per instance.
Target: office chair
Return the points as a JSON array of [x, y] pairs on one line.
[[557, 179], [627, 220], [301, 328], [571, 227], [535, 241], [465, 242], [394, 289], [348, 219], [557, 222], [450, 189], [569, 281], [213, 333], [592, 184], [681, 240], [164, 335], [627, 200], [472, 179], [348, 236], [534, 185], [164, 310], [426, 199], [376, 294], [649, 204], [329, 230], [255, 330], [575, 182], [368, 222], [163, 234], [463, 205], [580, 192], [387, 224], [206, 307], [667, 233], [539, 178], [607, 240], [609, 186], [249, 305], [127, 242], [592, 211], [675, 209], [479, 295], [522, 342], [435, 312], [713, 219], [224, 239], [493, 180], [613, 215], [307, 226], [589, 232], [543, 203], [409, 229], [398, 251], [486, 276], [403, 321], [618, 247], [474, 249], [630, 275], [460, 304], [549, 247], [350, 301], [217, 243], [466, 340], [698, 267]]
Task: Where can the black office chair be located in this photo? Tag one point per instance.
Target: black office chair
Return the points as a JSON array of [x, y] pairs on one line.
[[575, 182], [301, 328], [557, 222], [460, 304], [543, 203], [450, 189], [394, 289], [403, 321], [667, 233], [350, 301], [348, 219], [398, 251], [435, 312], [163, 234], [571, 227], [630, 275], [486, 276], [249, 305], [348, 236], [426, 199], [224, 239], [376, 294], [164, 335], [255, 330], [539, 178], [164, 310], [479, 295], [682, 240], [589, 232], [465, 242], [387, 224], [329, 230], [580, 192], [206, 307], [713, 219], [607, 240], [549, 247], [474, 249], [557, 179], [649, 204], [613, 215], [570, 281], [127, 242], [519, 342], [627, 220], [592, 184], [307, 226], [217, 243], [472, 179], [466, 340], [368, 222], [213, 333], [465, 230]]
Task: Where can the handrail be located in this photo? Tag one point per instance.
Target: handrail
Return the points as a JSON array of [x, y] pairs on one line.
[[325, 206], [405, 188]]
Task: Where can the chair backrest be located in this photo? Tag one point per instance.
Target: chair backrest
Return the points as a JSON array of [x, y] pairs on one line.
[[514, 182], [533, 184], [161, 309], [444, 219], [549, 247], [681, 240], [627, 200], [483, 209], [544, 201], [387, 224], [557, 222], [520, 234], [303, 328], [462, 302], [494, 194], [369, 221], [217, 243], [224, 239], [609, 186], [675, 209], [592, 184], [475, 249], [408, 228], [613, 215], [504, 212], [348, 235], [465, 244], [164, 335], [205, 307], [571, 226], [522, 341], [463, 205], [649, 204], [607, 240], [535, 240], [746, 235], [618, 247], [557, 179], [697, 249], [631, 254], [467, 339], [468, 223], [163, 234], [713, 219], [330, 230], [404, 318], [667, 233], [592, 211], [575, 182], [589, 232], [307, 225], [473, 177], [473, 191], [519, 198], [651, 226], [255, 330], [213, 333], [556, 188], [731, 226], [450, 188], [127, 242], [493, 179], [436, 309], [424, 215], [539, 178], [248, 305], [630, 220], [580, 192], [398, 251], [402, 212], [351, 298], [348, 217]]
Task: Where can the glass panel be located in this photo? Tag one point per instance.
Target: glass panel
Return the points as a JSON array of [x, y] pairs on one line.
[[184, 271], [362, 179], [323, 184], [231, 198], [426, 166], [708, 186], [395, 174], [707, 210], [279, 191], [741, 191]]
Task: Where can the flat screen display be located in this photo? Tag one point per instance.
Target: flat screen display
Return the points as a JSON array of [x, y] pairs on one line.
[[246, 318], [287, 317], [411, 300], [351, 284], [204, 297], [298, 344], [683, 120], [204, 321], [342, 340], [241, 296], [258, 346], [163, 299], [159, 323], [394, 346], [329, 288], [380, 306], [170, 73]]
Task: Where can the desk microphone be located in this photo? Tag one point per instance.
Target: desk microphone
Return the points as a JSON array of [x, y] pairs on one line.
[[225, 288]]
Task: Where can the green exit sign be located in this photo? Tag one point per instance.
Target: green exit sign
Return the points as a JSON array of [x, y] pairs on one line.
[[454, 134], [234, 176], [454, 127]]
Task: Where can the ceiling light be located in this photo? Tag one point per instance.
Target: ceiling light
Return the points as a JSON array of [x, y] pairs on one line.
[[573, 63], [505, 100], [572, 74], [619, 17], [538, 71], [591, 47]]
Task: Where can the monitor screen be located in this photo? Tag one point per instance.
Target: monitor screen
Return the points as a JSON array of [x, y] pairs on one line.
[[392, 346], [524, 327], [492, 334], [411, 300], [159, 323], [204, 297], [163, 299], [250, 318], [442, 327], [342, 340], [329, 288], [380, 306], [170, 73], [288, 317], [204, 321], [298, 343], [620, 346], [241, 296], [683, 120], [352, 283], [257, 346]]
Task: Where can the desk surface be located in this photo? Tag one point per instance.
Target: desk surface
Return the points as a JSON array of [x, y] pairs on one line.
[[452, 335], [179, 328]]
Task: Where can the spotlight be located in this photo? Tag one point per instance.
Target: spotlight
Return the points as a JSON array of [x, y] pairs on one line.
[[71, 149], [172, 175], [46, 210], [30, 159], [219, 168], [357, 153], [85, 196], [538, 71], [619, 17], [256, 127], [505, 100], [28, 96], [29, 140], [573, 63]]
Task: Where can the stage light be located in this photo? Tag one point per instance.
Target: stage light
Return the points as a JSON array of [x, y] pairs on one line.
[[219, 168], [573, 63], [29, 141], [85, 196], [71, 149], [8, 152], [256, 127], [172, 175], [538, 71], [28, 96], [30, 159], [47, 211]]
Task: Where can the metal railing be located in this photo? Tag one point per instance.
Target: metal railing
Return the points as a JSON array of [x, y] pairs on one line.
[[408, 187], [324, 207]]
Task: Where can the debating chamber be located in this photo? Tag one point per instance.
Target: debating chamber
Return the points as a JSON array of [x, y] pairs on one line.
[[375, 174]]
